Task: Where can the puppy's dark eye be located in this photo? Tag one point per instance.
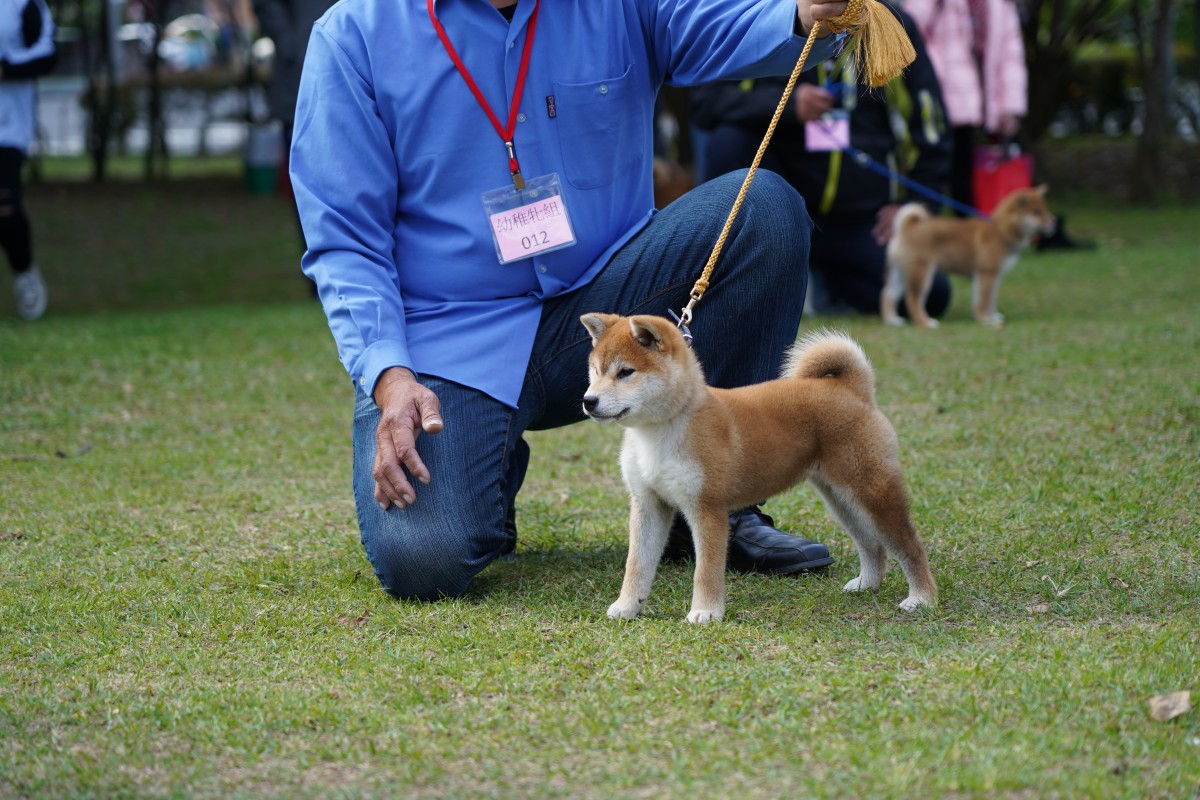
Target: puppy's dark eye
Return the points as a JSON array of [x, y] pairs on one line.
[[624, 373]]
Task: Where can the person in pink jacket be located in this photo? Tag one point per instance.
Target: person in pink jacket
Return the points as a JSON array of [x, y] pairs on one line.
[[979, 57]]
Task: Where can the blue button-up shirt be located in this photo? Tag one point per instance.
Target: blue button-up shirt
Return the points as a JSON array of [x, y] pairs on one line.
[[392, 152]]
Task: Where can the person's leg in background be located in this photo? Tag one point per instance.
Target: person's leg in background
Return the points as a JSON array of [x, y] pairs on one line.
[[16, 237], [852, 268], [962, 166], [729, 148]]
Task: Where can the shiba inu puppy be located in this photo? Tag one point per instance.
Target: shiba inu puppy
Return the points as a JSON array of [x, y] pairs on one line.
[[704, 451], [980, 249]]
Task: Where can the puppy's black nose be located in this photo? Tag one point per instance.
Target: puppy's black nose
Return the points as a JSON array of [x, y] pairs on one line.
[[590, 401]]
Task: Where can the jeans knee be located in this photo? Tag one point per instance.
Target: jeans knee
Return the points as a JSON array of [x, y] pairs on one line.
[[421, 565], [788, 211], [411, 570]]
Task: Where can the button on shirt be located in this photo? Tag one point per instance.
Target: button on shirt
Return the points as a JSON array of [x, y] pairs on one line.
[[392, 152]]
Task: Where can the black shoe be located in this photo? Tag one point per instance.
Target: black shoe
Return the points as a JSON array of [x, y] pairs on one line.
[[755, 545], [1059, 240]]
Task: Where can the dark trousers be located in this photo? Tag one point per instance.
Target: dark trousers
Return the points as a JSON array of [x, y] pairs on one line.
[[962, 166], [15, 238]]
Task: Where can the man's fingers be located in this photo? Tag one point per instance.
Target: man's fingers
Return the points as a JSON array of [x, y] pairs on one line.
[[408, 409], [823, 10], [431, 414], [391, 484], [407, 454]]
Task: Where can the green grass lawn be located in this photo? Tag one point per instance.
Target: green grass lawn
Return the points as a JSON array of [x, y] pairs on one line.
[[185, 609]]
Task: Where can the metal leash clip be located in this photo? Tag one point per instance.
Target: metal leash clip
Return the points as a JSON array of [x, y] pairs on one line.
[[683, 328]]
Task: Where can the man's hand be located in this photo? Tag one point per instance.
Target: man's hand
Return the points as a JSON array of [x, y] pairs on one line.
[[812, 102], [407, 409], [810, 11], [1009, 125], [883, 223]]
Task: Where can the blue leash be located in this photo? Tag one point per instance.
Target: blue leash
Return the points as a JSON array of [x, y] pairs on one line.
[[864, 160]]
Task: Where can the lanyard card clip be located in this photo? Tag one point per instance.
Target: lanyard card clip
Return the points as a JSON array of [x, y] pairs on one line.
[[518, 181]]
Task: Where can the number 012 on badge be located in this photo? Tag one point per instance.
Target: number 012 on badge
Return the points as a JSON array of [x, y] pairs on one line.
[[528, 221]]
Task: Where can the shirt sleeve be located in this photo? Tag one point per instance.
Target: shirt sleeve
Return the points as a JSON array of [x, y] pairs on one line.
[[699, 41], [345, 180]]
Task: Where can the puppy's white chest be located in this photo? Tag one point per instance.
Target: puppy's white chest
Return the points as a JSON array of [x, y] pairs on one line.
[[657, 461]]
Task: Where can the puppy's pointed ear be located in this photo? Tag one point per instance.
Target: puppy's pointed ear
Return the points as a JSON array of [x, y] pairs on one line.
[[1042, 189], [597, 324], [645, 332]]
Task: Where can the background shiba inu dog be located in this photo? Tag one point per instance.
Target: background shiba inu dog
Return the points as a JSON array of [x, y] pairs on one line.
[[705, 451], [981, 249]]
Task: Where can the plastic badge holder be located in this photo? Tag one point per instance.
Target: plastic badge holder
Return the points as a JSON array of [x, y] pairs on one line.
[[530, 221]]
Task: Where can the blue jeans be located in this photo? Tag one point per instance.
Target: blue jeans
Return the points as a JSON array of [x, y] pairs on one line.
[[745, 321]]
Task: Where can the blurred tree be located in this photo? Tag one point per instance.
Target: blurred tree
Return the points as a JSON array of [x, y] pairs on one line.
[[105, 98], [102, 82], [1054, 31], [1157, 72], [157, 156]]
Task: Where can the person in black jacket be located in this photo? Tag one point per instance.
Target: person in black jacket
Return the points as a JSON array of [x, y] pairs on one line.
[[901, 126], [26, 51]]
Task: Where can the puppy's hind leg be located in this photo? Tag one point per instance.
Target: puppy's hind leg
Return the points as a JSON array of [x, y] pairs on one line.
[[872, 556], [649, 524], [882, 499]]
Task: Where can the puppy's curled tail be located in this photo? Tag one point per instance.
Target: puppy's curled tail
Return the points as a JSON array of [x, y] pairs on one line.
[[908, 213], [832, 354]]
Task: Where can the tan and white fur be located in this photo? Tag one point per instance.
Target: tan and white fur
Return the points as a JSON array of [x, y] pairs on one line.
[[705, 451], [980, 249]]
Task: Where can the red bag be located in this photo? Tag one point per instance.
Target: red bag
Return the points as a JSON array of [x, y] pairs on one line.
[[998, 174]]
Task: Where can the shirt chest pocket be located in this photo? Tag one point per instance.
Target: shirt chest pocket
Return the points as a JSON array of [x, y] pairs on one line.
[[602, 129]]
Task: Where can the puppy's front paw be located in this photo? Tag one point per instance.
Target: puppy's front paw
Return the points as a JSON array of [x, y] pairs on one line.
[[930, 323], [859, 585], [624, 609], [703, 617]]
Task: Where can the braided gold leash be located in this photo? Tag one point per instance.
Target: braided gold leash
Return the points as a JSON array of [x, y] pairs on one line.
[[882, 50]]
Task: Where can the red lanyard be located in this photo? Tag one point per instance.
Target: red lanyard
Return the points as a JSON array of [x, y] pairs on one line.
[[506, 133]]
